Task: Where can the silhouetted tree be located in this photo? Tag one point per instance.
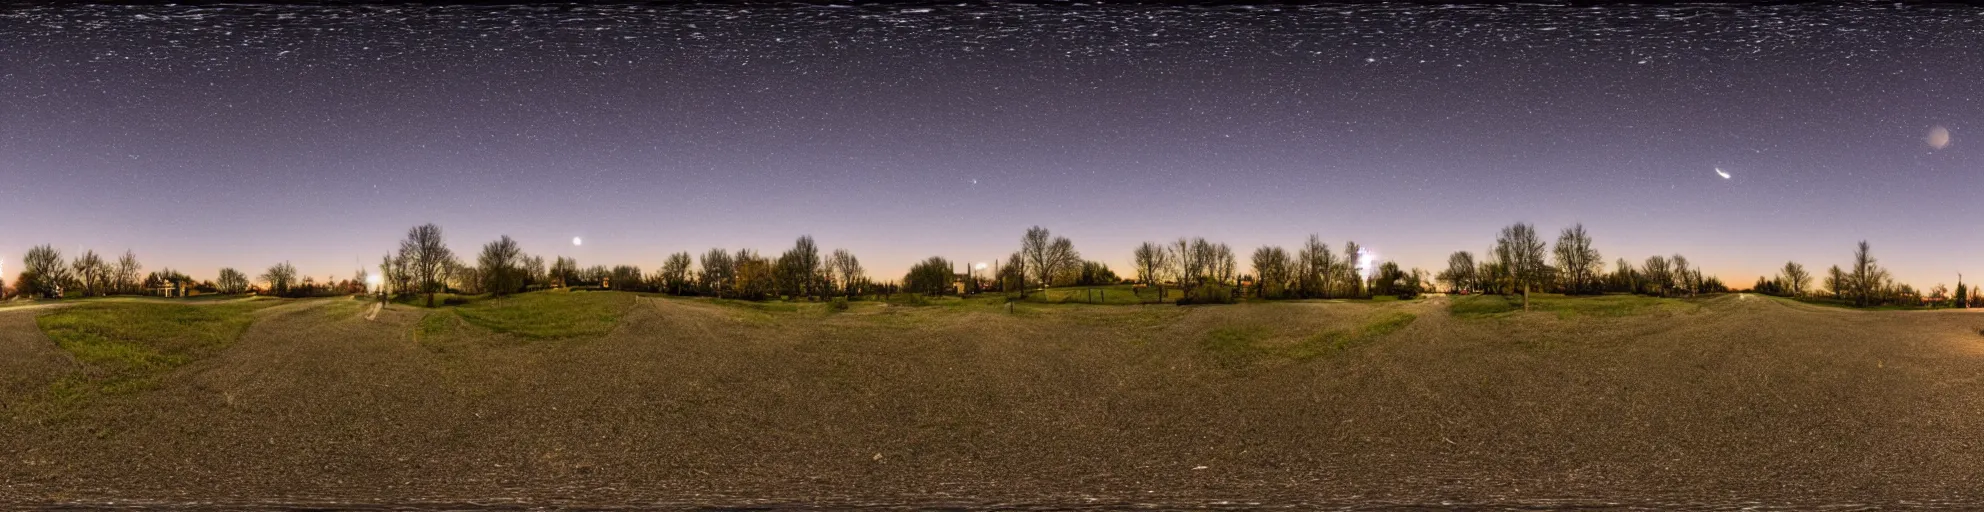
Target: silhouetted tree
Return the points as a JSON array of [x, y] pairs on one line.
[[1188, 262], [754, 275], [1152, 262], [232, 281], [91, 273], [1656, 276], [42, 273], [847, 269], [931, 277], [427, 258], [1223, 265], [627, 277], [798, 270], [565, 271], [1867, 278], [1685, 279], [1095, 273], [1388, 279], [1624, 278], [1046, 256], [1792, 279], [126, 275], [1350, 272], [501, 266], [397, 272], [1271, 272], [1460, 272], [1578, 263], [281, 277], [674, 274], [535, 273], [719, 272], [1522, 251]]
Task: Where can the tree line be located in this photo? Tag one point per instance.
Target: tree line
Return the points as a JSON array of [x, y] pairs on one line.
[[1863, 283], [1518, 262], [1521, 262]]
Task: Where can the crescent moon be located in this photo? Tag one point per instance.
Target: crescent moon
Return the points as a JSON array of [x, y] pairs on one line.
[[1722, 173]]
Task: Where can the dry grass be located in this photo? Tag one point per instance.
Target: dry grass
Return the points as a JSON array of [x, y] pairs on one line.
[[700, 402]]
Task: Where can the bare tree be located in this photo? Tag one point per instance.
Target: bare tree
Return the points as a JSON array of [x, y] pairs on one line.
[[1224, 265], [564, 271], [1188, 262], [1152, 261], [1577, 261], [1271, 269], [719, 272], [42, 273], [1315, 268], [1794, 279], [427, 258], [845, 267], [1866, 279], [1522, 251], [501, 266], [1046, 256], [1656, 275], [798, 270], [674, 274], [1684, 278], [280, 277], [397, 272], [1624, 278], [91, 272], [127, 273], [1460, 271], [1350, 273], [232, 281]]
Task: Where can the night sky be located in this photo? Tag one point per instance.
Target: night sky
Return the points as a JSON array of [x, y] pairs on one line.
[[245, 136]]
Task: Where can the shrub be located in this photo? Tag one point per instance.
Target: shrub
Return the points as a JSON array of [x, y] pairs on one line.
[[837, 304]]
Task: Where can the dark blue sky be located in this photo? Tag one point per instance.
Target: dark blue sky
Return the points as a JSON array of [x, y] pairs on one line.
[[244, 136]]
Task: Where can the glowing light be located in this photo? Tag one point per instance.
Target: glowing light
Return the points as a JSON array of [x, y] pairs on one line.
[[1722, 173], [1939, 137], [979, 266], [576, 241], [1366, 260]]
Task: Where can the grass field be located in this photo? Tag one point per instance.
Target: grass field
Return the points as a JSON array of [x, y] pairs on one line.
[[125, 345], [1489, 306], [548, 314], [683, 402]]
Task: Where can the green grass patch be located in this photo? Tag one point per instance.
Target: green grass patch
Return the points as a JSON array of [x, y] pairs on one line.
[[1388, 323], [1845, 304], [1118, 295], [1567, 306], [434, 325], [127, 346], [1246, 344], [1477, 306], [549, 314], [445, 299]]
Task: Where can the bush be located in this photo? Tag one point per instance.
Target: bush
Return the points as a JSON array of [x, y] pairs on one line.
[[909, 299], [837, 304]]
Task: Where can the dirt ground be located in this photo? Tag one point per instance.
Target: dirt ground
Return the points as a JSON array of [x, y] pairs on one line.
[[1747, 401]]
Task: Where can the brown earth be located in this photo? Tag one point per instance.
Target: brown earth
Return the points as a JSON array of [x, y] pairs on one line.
[[1746, 401]]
